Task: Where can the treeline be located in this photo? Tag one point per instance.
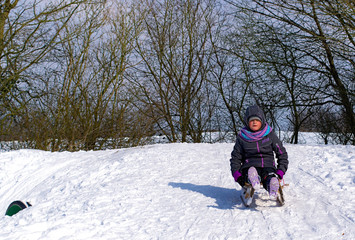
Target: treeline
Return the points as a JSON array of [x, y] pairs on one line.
[[91, 74]]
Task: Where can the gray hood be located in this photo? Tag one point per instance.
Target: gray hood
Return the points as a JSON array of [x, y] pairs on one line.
[[254, 111]]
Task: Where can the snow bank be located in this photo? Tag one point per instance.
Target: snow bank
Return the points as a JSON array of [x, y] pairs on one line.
[[173, 191]]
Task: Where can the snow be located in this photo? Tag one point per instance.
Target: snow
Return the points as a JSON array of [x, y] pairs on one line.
[[173, 191]]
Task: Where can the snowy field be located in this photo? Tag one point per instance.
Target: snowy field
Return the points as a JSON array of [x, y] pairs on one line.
[[173, 191]]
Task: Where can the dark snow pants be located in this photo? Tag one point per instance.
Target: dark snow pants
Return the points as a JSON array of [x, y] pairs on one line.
[[265, 175]]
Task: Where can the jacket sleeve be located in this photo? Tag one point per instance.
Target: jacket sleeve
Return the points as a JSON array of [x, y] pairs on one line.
[[280, 151], [236, 159]]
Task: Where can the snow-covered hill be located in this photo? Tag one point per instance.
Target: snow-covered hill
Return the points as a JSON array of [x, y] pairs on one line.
[[173, 191]]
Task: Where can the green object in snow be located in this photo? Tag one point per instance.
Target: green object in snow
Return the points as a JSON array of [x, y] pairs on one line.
[[15, 207]]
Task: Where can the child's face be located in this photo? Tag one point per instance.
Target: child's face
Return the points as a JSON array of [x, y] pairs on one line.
[[255, 125]]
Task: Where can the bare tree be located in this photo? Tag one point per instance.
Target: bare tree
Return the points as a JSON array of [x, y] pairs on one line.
[[87, 105], [175, 53], [28, 31], [323, 40]]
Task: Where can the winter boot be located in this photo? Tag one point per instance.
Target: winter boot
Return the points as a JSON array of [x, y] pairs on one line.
[[273, 188], [254, 178]]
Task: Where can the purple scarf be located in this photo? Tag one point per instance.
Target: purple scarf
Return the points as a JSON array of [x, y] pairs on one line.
[[254, 136]]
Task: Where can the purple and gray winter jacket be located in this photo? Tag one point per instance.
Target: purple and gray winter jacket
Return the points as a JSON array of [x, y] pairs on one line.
[[258, 152]]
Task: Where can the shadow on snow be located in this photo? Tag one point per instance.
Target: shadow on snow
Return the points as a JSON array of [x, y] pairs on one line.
[[225, 198]]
